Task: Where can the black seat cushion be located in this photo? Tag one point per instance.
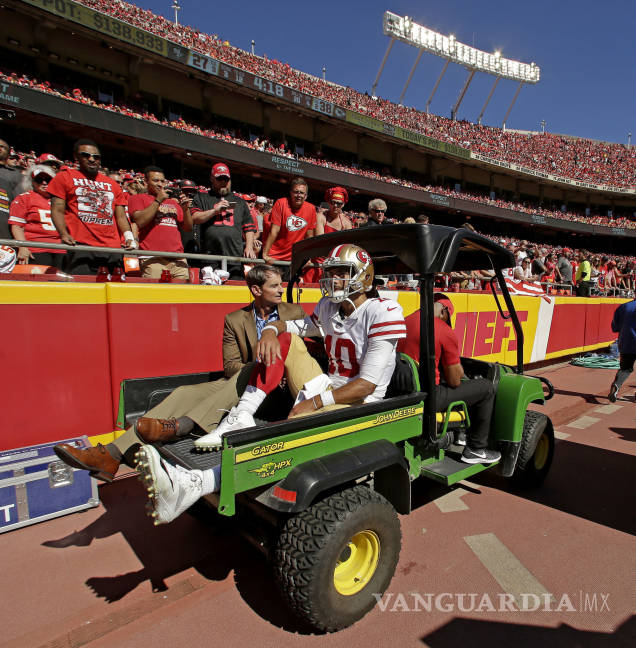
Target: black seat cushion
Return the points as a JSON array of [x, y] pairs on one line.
[[402, 380]]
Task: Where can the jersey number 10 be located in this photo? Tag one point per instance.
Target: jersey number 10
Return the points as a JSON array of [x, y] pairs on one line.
[[345, 365]]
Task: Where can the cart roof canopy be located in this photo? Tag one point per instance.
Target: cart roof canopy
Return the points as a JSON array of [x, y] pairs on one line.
[[404, 249]]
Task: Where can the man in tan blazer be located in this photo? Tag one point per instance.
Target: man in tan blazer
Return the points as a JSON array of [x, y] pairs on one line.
[[197, 407], [240, 336]]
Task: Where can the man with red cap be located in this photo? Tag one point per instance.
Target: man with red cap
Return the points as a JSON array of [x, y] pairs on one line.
[[292, 220], [477, 393], [50, 160], [226, 226]]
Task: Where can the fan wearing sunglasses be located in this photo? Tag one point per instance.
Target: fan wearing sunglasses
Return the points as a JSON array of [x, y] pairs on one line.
[[377, 212], [30, 220], [523, 271], [89, 208]]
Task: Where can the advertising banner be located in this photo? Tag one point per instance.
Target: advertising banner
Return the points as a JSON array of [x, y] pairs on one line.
[[405, 135], [81, 15], [549, 176]]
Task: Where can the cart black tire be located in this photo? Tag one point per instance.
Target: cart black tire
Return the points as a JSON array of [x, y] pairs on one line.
[[354, 527], [536, 452]]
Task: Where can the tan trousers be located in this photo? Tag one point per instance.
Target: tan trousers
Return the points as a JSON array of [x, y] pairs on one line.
[[205, 404], [300, 368], [153, 267]]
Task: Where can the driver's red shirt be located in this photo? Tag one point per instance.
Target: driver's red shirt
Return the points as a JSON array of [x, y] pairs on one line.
[[294, 226], [90, 206], [446, 342]]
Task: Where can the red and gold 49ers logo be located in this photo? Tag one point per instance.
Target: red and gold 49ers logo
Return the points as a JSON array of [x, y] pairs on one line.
[[363, 257]]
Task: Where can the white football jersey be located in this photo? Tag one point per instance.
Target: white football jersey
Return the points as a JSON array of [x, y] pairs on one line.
[[347, 339]]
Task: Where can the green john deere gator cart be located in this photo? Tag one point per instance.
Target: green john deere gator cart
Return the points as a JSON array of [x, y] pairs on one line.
[[320, 495]]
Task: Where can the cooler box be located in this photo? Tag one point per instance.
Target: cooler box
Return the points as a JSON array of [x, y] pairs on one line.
[[35, 485]]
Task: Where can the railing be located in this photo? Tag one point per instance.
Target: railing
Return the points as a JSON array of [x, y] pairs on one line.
[[569, 288], [140, 253], [397, 282]]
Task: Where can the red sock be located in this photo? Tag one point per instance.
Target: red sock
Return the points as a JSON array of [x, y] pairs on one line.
[[268, 378]]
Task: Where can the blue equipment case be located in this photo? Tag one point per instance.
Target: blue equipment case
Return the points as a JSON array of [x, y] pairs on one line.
[[35, 485]]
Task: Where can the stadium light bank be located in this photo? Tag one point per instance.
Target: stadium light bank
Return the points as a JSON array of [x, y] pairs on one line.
[[404, 29]]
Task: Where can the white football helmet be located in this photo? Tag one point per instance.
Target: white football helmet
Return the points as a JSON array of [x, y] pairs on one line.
[[358, 266], [8, 257]]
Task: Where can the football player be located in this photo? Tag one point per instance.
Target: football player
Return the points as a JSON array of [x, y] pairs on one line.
[[360, 332]]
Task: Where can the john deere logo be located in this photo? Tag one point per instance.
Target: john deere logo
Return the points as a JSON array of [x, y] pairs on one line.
[[396, 415], [270, 468]]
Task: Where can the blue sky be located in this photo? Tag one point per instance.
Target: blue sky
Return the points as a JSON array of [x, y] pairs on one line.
[[587, 52]]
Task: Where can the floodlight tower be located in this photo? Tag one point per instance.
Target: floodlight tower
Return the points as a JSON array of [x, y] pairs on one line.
[[176, 8], [404, 29]]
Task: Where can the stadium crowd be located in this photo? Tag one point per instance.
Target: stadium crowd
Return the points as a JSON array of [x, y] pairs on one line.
[[159, 214], [574, 158], [262, 144]]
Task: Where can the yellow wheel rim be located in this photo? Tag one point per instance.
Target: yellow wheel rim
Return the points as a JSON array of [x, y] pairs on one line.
[[357, 563], [542, 451]]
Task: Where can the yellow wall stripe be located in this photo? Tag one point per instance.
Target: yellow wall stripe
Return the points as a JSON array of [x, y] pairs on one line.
[[176, 294], [105, 439], [35, 292], [580, 349]]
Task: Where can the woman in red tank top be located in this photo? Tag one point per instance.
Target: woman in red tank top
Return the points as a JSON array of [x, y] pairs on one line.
[[331, 221]]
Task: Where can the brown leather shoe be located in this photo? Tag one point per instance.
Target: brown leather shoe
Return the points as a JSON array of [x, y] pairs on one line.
[[97, 460], [153, 430]]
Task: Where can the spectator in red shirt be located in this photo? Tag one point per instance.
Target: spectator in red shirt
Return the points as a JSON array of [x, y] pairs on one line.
[[267, 221], [292, 220], [477, 393], [30, 220], [88, 208], [159, 218], [260, 209]]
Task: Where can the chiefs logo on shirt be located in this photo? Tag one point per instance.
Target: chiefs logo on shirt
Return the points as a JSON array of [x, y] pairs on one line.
[[295, 223]]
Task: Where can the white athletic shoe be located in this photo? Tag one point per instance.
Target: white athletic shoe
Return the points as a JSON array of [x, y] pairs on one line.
[[171, 489], [235, 420]]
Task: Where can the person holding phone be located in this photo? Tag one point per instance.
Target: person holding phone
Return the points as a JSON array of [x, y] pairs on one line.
[[226, 224], [159, 217]]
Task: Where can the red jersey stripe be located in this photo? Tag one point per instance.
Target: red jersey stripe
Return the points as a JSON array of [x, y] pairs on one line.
[[389, 334], [386, 324]]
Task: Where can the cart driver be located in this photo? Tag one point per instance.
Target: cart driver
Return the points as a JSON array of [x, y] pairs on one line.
[[360, 333], [477, 393]]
